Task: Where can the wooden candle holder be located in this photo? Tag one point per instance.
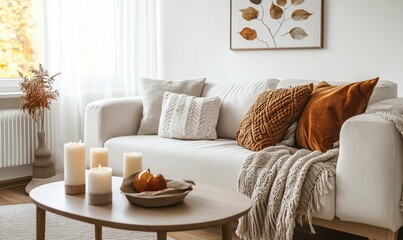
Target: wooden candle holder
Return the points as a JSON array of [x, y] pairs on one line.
[[74, 189], [99, 199]]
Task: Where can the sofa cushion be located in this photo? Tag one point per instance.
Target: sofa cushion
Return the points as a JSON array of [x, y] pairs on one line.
[[152, 93], [393, 104], [211, 162], [236, 99], [268, 120], [329, 107], [383, 89], [189, 117]]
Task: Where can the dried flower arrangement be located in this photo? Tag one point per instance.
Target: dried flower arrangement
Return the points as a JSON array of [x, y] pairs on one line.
[[37, 93]]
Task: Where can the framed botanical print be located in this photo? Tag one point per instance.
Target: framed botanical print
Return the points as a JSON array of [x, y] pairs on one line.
[[276, 24]]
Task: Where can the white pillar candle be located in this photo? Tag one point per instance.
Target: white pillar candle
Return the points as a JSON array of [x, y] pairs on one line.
[[98, 156], [74, 164], [132, 162], [99, 180]]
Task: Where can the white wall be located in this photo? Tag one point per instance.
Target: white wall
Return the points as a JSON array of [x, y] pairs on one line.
[[362, 39]]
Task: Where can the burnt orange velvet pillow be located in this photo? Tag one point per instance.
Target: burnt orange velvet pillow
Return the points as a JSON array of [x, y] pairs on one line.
[[329, 107], [268, 120]]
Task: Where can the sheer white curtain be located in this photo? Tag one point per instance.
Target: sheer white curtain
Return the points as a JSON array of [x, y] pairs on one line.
[[102, 48]]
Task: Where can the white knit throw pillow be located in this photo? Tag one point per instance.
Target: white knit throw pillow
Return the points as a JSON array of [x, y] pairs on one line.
[[188, 117], [152, 93]]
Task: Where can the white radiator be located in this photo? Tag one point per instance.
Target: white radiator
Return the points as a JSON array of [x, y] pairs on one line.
[[18, 139]]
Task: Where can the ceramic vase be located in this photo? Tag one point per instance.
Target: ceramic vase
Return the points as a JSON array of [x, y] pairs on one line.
[[44, 163]]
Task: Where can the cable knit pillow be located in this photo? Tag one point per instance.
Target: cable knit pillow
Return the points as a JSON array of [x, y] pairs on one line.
[[329, 107], [274, 111], [152, 93], [188, 117]]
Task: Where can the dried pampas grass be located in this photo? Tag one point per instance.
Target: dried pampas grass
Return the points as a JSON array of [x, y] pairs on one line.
[[38, 93]]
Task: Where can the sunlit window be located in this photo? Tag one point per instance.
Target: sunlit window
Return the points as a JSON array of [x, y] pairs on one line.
[[19, 43]]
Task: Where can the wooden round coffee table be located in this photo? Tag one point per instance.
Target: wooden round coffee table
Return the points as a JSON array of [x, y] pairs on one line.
[[205, 206]]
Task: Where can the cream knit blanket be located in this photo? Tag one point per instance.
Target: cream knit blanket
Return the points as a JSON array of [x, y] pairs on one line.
[[285, 184]]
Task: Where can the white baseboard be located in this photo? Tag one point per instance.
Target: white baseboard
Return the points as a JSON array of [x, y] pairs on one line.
[[15, 172]]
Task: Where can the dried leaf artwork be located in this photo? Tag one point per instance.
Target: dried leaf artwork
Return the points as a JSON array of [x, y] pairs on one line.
[[297, 2], [249, 13], [298, 33], [256, 1], [270, 22], [281, 2], [300, 15], [276, 12], [248, 33]]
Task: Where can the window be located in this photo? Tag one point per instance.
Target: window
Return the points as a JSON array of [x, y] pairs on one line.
[[19, 40], [97, 38]]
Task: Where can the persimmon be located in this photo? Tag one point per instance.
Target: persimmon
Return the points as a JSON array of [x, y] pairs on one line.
[[145, 181]]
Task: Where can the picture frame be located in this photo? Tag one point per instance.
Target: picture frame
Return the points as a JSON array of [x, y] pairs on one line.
[[276, 24]]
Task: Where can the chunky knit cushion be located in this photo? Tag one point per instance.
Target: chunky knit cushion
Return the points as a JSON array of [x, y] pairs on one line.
[[188, 117], [274, 111], [329, 107]]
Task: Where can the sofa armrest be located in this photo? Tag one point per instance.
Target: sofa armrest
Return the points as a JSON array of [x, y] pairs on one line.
[[369, 175], [108, 118]]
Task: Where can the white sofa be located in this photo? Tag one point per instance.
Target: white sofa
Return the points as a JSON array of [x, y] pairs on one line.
[[369, 174]]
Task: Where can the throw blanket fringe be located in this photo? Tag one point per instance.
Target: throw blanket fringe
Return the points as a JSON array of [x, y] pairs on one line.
[[284, 184]]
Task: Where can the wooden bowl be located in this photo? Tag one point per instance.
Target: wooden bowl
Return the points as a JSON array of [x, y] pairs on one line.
[[175, 193]]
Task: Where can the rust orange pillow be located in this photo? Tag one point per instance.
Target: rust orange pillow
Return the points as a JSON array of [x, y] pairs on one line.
[[268, 120], [329, 107]]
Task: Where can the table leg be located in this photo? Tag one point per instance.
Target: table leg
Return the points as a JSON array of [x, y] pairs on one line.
[[226, 231], [98, 232], [40, 223], [162, 235]]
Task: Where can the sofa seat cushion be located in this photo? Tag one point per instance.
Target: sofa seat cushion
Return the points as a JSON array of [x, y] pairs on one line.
[[212, 162]]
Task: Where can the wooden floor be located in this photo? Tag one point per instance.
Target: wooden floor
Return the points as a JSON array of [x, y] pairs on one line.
[[17, 195]]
